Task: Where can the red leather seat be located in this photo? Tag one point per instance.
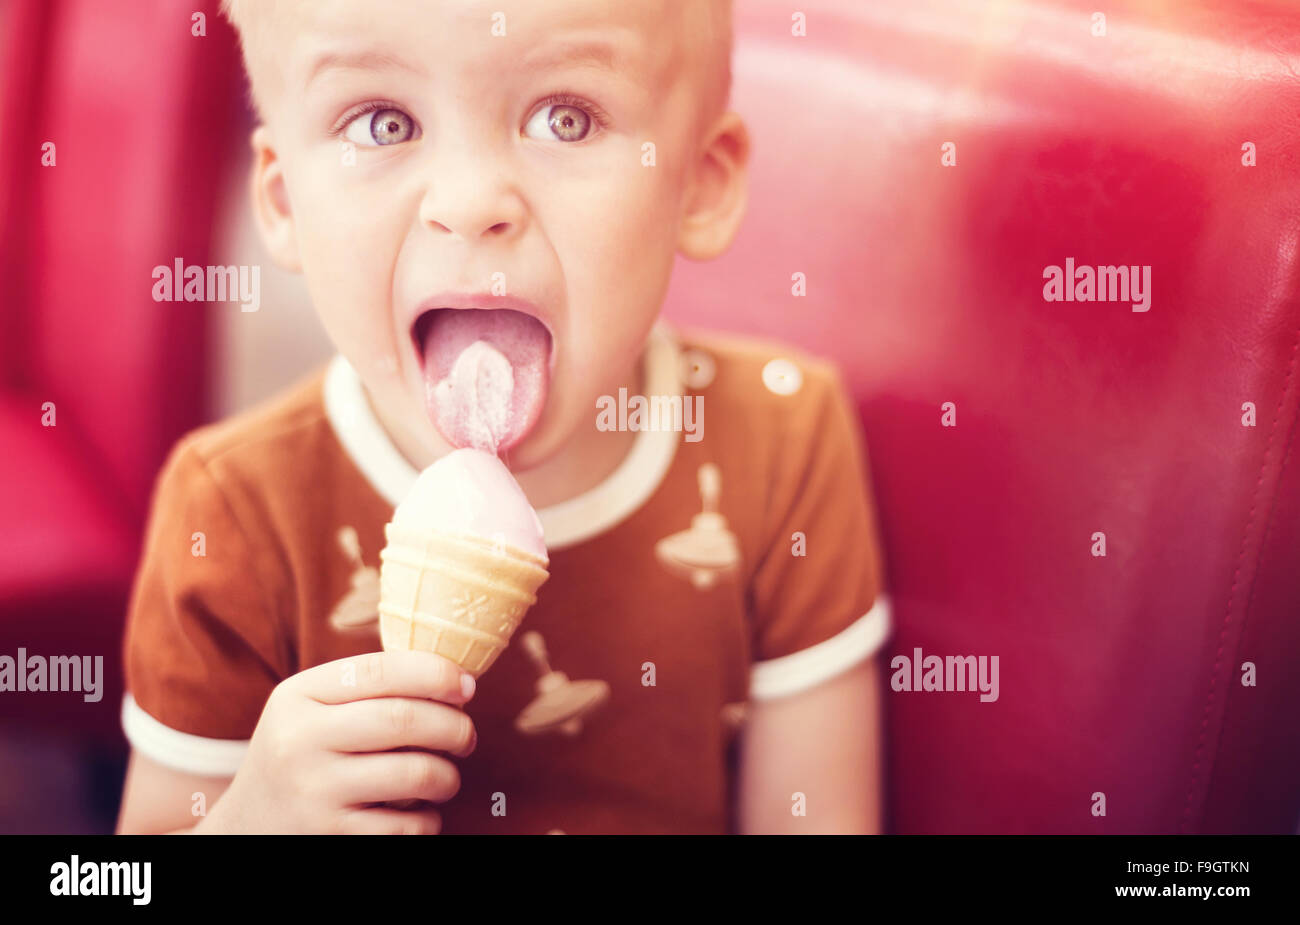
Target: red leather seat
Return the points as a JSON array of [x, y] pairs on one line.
[[134, 184], [1119, 675]]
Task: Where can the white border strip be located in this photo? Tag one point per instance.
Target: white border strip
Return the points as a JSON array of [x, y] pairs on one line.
[[799, 671], [180, 750], [568, 523]]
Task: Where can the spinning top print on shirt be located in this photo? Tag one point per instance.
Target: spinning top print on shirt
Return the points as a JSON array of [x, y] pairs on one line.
[[359, 608], [560, 704], [708, 551]]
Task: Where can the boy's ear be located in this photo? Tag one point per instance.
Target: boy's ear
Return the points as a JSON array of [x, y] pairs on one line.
[[715, 202], [271, 207]]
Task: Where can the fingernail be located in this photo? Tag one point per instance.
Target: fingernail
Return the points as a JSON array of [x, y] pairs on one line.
[[467, 685]]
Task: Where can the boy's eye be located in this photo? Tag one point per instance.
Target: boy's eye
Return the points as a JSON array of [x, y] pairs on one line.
[[380, 127], [562, 121]]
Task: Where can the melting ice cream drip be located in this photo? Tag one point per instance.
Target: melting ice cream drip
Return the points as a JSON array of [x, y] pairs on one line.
[[478, 392]]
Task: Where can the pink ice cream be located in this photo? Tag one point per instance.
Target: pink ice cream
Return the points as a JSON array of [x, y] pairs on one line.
[[470, 491]]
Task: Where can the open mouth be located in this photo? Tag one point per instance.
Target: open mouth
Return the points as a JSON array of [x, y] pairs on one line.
[[485, 372]]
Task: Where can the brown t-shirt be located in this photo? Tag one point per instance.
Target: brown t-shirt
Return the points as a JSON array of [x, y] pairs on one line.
[[732, 556]]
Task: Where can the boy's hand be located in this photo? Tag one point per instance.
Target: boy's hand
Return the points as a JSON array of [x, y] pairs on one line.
[[322, 754]]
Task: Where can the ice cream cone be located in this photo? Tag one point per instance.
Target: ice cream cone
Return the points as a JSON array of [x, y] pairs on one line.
[[460, 596]]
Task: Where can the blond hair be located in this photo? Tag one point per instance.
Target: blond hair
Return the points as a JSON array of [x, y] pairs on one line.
[[714, 20], [236, 12]]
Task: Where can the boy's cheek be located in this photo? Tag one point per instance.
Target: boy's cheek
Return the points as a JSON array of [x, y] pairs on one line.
[[346, 289], [629, 219], [343, 237]]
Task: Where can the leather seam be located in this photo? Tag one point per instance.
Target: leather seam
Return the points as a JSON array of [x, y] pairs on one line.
[[1232, 591]]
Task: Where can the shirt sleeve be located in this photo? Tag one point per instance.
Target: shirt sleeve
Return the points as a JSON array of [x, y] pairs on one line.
[[202, 649], [817, 603]]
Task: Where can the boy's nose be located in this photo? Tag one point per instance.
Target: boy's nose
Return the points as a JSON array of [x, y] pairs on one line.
[[471, 199]]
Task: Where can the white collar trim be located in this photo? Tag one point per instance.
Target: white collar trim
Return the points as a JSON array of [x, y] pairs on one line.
[[567, 523]]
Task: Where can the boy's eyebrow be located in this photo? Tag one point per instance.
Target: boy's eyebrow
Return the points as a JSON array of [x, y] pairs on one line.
[[591, 53], [358, 60]]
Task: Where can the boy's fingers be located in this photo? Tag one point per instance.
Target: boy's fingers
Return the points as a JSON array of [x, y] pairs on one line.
[[389, 776], [380, 724], [387, 674], [385, 821]]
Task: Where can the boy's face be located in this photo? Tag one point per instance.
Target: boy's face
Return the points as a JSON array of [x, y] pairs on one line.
[[420, 150]]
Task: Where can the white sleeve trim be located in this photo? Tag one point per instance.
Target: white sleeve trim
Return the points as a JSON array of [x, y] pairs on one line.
[[180, 750], [798, 671]]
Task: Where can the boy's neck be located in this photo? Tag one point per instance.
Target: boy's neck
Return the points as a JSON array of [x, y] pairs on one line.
[[590, 456]]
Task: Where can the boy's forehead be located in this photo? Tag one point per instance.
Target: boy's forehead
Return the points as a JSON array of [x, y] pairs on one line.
[[628, 34]]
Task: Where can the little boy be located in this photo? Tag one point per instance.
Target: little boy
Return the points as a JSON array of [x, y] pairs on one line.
[[702, 658]]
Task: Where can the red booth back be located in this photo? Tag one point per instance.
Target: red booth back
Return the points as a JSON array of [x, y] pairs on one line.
[[137, 150], [117, 118], [1121, 676]]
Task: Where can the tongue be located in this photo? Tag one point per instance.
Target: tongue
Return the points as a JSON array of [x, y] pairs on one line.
[[485, 376]]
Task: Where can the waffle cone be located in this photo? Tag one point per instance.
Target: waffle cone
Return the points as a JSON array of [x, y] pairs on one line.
[[461, 597]]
